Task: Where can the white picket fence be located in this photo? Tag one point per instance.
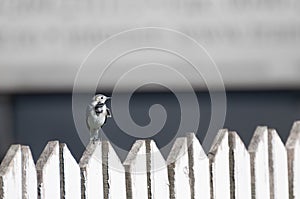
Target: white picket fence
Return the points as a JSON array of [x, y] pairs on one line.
[[267, 170]]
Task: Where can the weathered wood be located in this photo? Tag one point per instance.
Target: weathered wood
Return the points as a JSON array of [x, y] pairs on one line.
[[258, 150], [11, 174], [178, 170], [147, 174], [219, 166], [198, 169], [278, 168], [113, 173], [91, 172], [136, 171], [69, 174], [48, 172], [268, 170], [157, 171], [293, 153], [239, 168], [29, 175]]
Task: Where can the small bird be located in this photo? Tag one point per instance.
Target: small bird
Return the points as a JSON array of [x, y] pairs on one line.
[[96, 115]]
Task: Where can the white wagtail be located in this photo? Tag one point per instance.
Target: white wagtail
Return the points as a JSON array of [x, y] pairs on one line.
[[96, 115]]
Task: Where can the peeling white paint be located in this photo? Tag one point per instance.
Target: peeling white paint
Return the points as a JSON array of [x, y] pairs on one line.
[[178, 169], [293, 150], [48, 172], [199, 168], [11, 174], [219, 166], [29, 175], [268, 170], [70, 184], [91, 172]]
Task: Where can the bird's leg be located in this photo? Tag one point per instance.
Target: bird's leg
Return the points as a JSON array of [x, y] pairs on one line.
[[99, 137], [93, 135]]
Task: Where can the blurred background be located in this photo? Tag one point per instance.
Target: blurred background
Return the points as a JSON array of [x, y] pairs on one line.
[[255, 44]]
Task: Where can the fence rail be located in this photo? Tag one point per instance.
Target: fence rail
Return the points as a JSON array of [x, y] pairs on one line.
[[267, 170]]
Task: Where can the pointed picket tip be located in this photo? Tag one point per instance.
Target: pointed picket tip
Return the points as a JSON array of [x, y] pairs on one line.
[[29, 174], [178, 170], [48, 171], [269, 176], [293, 153], [278, 166], [133, 153], [11, 174], [260, 136], [157, 160], [92, 150], [114, 185], [294, 137], [198, 168], [9, 158], [239, 166], [146, 171], [219, 166], [49, 150], [178, 150], [192, 141], [236, 143], [274, 137], [136, 171], [91, 171], [235, 140], [220, 138], [157, 178], [69, 174], [110, 157], [259, 161]]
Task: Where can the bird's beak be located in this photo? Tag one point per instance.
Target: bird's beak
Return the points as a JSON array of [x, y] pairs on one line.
[[108, 98]]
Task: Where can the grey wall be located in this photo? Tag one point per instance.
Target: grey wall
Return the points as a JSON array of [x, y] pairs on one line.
[[6, 125], [43, 117]]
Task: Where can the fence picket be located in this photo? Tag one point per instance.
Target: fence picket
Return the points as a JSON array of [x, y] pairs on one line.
[[48, 172], [113, 173], [278, 167], [29, 175], [268, 170], [91, 172], [147, 174], [158, 172], [219, 166], [239, 168], [258, 150], [69, 174], [293, 152], [11, 174], [198, 169], [178, 170], [136, 175]]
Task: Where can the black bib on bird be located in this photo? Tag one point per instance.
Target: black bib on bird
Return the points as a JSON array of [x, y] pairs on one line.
[[99, 108]]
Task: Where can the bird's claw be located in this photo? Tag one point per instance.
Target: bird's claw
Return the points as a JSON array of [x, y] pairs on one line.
[[94, 140]]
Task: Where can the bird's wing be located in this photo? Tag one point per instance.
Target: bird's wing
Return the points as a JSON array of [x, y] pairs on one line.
[[108, 112], [90, 111]]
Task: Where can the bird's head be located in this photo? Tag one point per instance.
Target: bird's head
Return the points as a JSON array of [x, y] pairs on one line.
[[100, 98]]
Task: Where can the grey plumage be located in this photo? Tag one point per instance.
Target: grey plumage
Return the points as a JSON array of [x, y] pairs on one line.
[[96, 115]]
